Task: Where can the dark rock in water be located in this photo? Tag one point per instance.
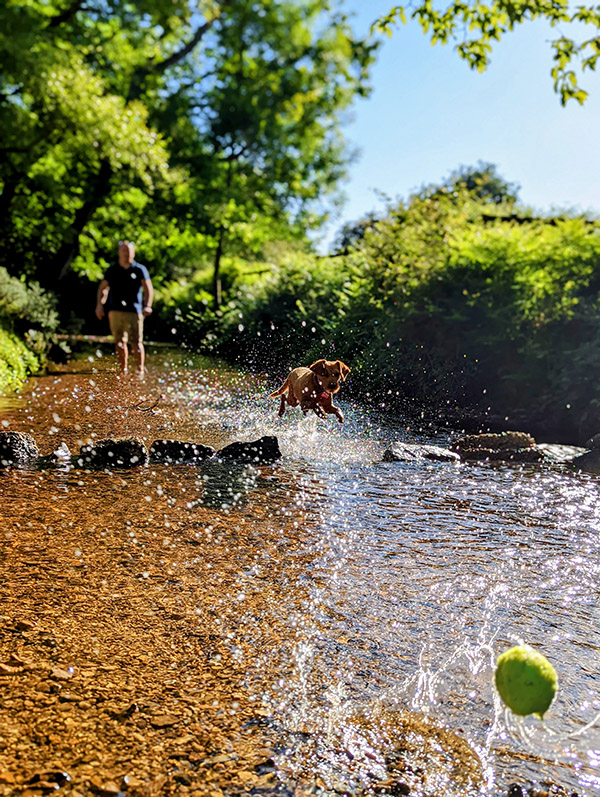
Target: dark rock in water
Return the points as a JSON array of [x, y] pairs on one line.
[[261, 451], [176, 452], [588, 462], [505, 447], [17, 448], [226, 483], [413, 452], [125, 453]]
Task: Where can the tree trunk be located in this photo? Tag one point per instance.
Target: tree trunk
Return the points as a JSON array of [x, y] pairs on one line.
[[216, 283], [98, 189]]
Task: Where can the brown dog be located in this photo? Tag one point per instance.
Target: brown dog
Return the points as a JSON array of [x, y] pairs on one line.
[[313, 388]]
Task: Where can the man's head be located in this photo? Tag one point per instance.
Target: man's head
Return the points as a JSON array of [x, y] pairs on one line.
[[126, 253]]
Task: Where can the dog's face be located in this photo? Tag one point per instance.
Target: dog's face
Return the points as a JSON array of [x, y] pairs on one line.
[[330, 373]]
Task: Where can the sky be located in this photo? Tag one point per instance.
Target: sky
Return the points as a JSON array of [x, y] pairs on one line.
[[429, 114]]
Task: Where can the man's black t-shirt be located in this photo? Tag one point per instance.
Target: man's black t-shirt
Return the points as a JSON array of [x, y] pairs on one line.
[[125, 292]]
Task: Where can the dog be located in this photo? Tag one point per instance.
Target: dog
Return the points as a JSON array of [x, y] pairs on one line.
[[313, 388]]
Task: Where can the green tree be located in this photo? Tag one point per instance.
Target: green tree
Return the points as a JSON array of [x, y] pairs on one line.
[[205, 127], [474, 27]]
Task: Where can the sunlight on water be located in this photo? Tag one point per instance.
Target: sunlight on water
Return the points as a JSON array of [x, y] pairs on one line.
[[386, 590]]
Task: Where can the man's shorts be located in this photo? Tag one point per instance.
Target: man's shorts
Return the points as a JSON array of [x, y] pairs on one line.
[[126, 327]]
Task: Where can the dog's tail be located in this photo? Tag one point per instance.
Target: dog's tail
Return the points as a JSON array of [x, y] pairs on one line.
[[281, 391]]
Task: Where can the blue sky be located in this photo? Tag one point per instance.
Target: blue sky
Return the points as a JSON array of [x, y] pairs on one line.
[[429, 113]]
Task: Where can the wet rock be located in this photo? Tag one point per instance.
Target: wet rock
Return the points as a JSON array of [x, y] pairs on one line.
[[164, 721], [559, 453], [176, 452], [260, 452], [504, 447], [50, 780], [589, 462], [413, 452], [17, 448], [113, 453]]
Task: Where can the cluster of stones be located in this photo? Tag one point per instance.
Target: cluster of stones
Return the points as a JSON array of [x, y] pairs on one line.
[[20, 448], [503, 447]]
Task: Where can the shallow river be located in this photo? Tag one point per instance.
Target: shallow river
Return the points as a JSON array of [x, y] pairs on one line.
[[400, 583]]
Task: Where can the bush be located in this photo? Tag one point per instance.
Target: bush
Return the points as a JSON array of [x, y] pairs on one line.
[[16, 361], [28, 322]]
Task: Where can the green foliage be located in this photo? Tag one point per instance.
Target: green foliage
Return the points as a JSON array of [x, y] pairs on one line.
[[199, 130], [475, 27], [25, 308], [16, 361], [452, 299]]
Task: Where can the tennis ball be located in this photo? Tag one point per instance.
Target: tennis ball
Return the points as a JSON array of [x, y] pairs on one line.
[[526, 681]]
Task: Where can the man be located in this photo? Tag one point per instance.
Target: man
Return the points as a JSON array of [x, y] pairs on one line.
[[126, 292]]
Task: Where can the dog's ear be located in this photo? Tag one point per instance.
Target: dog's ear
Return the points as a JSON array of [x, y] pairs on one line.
[[344, 370], [318, 367]]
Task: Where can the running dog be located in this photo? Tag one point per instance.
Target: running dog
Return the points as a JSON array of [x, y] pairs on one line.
[[313, 388]]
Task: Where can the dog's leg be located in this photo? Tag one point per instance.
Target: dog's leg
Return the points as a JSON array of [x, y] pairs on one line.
[[328, 407], [282, 405]]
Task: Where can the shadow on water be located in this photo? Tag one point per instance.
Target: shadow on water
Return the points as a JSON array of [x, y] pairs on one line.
[[375, 596]]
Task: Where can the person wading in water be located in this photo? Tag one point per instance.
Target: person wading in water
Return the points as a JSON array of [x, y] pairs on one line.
[[126, 293]]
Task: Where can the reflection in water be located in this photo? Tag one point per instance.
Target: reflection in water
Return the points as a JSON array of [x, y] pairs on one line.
[[352, 591]]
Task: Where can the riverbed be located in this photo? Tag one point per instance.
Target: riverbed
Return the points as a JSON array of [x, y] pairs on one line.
[[332, 621]]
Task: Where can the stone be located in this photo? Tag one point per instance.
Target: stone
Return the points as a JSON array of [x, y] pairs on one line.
[[413, 452], [113, 453], [176, 452], [263, 451], [588, 462], [503, 447], [17, 448]]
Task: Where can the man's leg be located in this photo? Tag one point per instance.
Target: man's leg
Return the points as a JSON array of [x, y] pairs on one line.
[[121, 352], [136, 334], [119, 333]]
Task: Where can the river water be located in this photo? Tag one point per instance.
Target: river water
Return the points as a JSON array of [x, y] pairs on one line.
[[394, 586]]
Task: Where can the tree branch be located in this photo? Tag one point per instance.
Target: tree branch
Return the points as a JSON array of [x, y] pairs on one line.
[[66, 14], [161, 66]]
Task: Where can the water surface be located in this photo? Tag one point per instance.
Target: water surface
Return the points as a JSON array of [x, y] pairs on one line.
[[392, 587]]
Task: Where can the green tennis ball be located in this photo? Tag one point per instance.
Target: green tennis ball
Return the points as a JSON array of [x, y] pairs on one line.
[[526, 681]]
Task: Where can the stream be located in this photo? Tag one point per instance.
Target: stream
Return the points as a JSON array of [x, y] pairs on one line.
[[392, 589]]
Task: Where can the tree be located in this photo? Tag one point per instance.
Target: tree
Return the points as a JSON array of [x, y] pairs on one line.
[[474, 27], [484, 183], [204, 127]]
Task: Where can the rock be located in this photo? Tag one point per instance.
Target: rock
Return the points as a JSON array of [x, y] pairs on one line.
[[17, 448], [174, 451], [413, 452], [559, 453], [263, 451], [588, 462], [109, 453], [506, 447]]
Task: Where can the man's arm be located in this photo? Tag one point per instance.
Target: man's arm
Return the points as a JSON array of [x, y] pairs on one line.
[[148, 293], [103, 289]]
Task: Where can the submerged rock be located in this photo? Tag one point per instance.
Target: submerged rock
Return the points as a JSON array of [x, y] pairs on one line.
[[17, 448], [110, 453], [226, 483], [176, 452], [506, 446], [260, 452], [413, 452]]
